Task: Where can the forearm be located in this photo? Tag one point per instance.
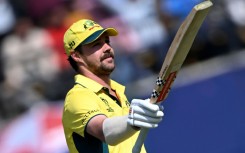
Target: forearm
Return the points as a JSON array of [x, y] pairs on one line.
[[116, 130]]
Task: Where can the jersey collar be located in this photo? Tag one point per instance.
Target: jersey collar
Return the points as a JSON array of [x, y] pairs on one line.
[[96, 87]]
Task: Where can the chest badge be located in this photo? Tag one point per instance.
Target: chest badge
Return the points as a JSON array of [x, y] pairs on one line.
[[109, 109]]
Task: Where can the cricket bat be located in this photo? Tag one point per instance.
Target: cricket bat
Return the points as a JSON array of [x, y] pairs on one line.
[[174, 59]]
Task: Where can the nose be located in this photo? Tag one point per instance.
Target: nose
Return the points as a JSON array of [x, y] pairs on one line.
[[107, 47]]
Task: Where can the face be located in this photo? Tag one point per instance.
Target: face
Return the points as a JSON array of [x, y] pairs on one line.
[[98, 56]]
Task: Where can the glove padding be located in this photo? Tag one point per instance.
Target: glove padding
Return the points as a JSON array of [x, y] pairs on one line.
[[144, 114]]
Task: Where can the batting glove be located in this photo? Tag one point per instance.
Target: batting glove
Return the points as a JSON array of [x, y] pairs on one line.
[[143, 114]]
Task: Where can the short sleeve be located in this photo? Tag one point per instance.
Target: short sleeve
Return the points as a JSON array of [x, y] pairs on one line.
[[80, 106]]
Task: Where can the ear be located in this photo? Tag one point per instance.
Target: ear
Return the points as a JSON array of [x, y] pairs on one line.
[[76, 56]]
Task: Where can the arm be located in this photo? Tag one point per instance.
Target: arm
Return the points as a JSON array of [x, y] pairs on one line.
[[95, 127], [117, 129]]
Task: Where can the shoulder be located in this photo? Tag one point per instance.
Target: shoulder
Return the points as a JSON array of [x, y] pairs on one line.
[[79, 90], [79, 96]]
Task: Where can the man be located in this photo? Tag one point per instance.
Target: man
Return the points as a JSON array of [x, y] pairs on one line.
[[97, 116]]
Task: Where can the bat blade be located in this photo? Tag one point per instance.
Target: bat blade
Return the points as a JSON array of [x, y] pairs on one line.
[[180, 48], [175, 58]]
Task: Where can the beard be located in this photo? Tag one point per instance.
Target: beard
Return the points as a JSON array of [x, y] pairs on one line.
[[104, 67]]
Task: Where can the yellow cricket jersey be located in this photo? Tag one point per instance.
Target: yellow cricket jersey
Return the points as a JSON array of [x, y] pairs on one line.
[[84, 101]]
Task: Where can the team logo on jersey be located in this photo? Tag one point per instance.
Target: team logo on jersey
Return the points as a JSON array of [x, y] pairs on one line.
[[109, 109]]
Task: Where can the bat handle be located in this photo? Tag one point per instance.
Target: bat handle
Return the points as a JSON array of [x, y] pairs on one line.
[[140, 140]]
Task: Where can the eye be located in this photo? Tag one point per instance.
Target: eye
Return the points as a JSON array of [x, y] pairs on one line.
[[96, 44]]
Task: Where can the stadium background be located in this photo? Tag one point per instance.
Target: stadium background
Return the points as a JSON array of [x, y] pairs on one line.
[[203, 113]]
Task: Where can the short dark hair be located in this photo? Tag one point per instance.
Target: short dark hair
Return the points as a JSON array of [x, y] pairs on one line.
[[71, 60]]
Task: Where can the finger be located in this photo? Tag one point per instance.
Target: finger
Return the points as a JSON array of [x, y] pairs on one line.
[[147, 119], [140, 110], [141, 124], [145, 104], [149, 106]]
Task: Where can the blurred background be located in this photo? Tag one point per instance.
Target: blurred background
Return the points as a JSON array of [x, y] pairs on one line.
[[205, 112]]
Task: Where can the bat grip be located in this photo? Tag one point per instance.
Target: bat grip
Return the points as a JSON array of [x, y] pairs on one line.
[[140, 140]]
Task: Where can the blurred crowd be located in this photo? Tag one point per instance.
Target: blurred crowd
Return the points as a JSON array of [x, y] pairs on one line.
[[33, 65]]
